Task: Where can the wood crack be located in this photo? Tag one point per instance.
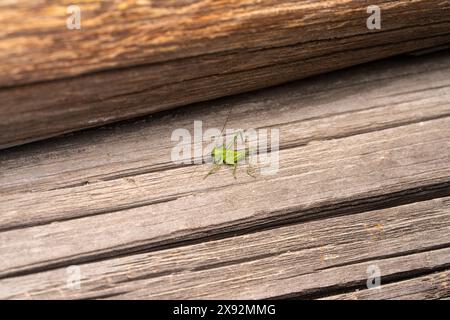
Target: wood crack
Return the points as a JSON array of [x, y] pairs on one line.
[[355, 206], [301, 143], [360, 285]]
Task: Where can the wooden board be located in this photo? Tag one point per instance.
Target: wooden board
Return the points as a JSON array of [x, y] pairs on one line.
[[132, 58], [429, 287], [301, 260], [364, 179]]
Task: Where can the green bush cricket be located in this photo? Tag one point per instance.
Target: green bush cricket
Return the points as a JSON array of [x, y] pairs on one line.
[[228, 156]]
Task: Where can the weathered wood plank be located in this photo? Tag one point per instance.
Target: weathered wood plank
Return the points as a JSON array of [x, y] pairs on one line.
[[303, 260], [430, 287], [201, 50], [360, 99], [38, 46], [155, 208], [336, 153]]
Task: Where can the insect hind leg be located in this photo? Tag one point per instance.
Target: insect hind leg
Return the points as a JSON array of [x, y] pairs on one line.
[[234, 170], [251, 171], [214, 169]]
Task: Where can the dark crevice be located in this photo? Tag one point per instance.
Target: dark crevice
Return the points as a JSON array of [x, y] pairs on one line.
[[388, 126], [287, 63], [278, 253], [93, 214], [389, 256], [105, 296], [350, 287], [356, 132], [187, 110], [286, 146], [141, 171], [417, 91], [243, 227], [335, 114], [70, 186]]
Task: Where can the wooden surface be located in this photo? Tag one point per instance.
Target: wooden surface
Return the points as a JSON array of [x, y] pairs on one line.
[[132, 58], [430, 287], [364, 180]]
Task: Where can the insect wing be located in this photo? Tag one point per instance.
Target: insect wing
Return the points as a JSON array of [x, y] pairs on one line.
[[230, 156]]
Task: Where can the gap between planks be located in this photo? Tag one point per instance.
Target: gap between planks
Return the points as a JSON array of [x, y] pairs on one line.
[[303, 260], [308, 108], [430, 287], [124, 93]]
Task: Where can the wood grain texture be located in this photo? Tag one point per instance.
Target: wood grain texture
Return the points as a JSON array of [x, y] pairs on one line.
[[302, 260], [362, 99], [350, 141], [136, 57], [430, 287], [159, 208], [364, 179], [117, 34]]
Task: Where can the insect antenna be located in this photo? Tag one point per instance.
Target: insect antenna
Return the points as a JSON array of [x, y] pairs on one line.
[[226, 120], [221, 133]]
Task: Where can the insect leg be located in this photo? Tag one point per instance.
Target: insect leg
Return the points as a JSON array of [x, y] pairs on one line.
[[234, 170], [241, 135], [239, 155], [234, 139], [251, 171], [214, 169], [232, 142]]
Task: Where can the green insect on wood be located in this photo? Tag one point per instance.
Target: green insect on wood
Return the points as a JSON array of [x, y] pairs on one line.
[[229, 156]]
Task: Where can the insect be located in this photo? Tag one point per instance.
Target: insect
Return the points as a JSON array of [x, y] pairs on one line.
[[228, 156]]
